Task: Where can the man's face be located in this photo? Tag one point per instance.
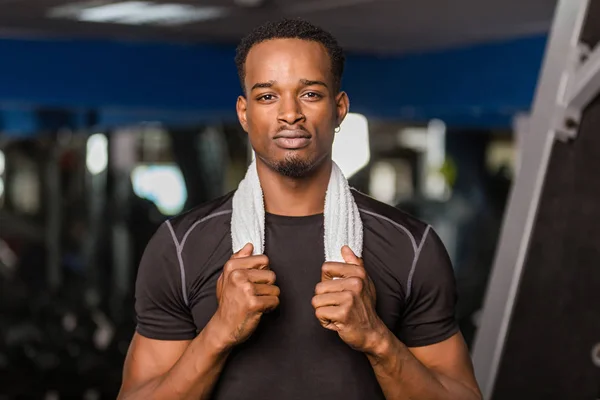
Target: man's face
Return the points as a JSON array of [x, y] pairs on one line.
[[291, 108]]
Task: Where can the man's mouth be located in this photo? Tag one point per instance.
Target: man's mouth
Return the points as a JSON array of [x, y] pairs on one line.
[[292, 139]]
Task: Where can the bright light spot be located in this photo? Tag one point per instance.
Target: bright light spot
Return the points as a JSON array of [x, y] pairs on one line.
[[436, 186], [413, 138], [25, 188], [138, 13], [382, 185], [351, 149], [501, 155], [162, 184], [112, 12], [2, 162], [97, 153], [436, 143]]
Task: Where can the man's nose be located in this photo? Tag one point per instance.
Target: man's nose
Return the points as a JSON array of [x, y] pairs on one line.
[[290, 110]]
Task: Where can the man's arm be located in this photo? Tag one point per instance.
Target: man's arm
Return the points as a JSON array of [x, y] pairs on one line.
[[189, 369], [426, 357], [440, 371], [163, 361], [436, 366], [162, 369]]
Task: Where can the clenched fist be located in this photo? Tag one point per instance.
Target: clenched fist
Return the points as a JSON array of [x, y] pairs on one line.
[[245, 291], [345, 300]]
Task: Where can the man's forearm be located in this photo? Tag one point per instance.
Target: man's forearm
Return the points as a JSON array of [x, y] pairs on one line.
[[192, 377], [403, 377]]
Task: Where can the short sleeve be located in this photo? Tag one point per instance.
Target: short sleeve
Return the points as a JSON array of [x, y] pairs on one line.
[[429, 315], [160, 307]]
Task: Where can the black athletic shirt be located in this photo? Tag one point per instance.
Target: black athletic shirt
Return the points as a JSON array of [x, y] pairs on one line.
[[290, 356]]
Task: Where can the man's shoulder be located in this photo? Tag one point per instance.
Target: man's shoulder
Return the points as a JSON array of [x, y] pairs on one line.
[[378, 215], [213, 211]]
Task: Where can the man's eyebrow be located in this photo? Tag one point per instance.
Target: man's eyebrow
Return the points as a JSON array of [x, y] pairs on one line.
[[262, 85], [304, 82], [307, 82]]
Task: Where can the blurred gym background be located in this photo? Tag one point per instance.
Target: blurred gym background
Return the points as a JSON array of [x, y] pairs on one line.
[[115, 115]]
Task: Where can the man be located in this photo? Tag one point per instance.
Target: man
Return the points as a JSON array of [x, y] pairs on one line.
[[278, 325]]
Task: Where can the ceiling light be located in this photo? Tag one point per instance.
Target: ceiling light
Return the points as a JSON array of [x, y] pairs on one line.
[[137, 13]]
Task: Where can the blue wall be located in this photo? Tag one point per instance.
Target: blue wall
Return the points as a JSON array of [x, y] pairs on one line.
[[184, 84]]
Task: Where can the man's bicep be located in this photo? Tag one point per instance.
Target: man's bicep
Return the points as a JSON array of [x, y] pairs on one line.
[[148, 359], [161, 307], [429, 313], [448, 359]]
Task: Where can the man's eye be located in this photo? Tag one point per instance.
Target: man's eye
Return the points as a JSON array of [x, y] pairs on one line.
[[312, 95], [266, 97]]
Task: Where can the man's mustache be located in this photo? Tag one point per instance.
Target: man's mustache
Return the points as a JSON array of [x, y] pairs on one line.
[[291, 128]]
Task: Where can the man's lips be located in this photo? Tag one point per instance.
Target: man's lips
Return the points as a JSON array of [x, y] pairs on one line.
[[292, 134], [292, 139]]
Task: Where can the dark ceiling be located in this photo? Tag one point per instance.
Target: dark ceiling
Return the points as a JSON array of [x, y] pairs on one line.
[[374, 26]]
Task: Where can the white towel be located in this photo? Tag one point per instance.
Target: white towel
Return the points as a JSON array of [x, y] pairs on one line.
[[343, 225]]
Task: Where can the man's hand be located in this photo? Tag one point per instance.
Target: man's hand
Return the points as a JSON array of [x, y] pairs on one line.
[[345, 300], [245, 291]]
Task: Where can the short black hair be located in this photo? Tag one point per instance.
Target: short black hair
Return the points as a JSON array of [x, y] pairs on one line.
[[295, 28]]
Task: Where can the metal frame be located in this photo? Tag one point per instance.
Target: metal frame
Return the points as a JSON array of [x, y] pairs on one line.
[[565, 86], [585, 83], [580, 84]]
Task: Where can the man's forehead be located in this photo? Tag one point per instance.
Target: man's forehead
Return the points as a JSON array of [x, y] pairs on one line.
[[292, 54]]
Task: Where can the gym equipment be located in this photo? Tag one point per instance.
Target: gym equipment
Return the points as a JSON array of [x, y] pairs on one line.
[[540, 317]]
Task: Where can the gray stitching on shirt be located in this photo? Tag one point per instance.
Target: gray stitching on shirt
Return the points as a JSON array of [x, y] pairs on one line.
[[179, 247], [412, 238], [414, 264], [195, 224], [181, 268]]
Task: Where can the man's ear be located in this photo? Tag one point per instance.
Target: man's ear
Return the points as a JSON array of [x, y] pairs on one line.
[[342, 107], [241, 108]]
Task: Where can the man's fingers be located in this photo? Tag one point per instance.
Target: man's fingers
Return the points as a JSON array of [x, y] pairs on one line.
[[327, 316], [331, 270], [262, 289], [262, 276], [352, 284], [264, 304], [349, 256], [251, 262], [245, 251], [330, 299]]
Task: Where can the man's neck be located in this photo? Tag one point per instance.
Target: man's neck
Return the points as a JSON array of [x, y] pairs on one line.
[[294, 197]]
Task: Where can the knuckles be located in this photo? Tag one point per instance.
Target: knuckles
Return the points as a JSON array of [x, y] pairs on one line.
[[326, 268], [356, 284], [247, 288], [361, 273], [349, 298], [237, 276], [228, 267], [254, 304]]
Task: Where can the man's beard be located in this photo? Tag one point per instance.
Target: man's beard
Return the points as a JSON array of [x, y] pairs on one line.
[[293, 166]]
